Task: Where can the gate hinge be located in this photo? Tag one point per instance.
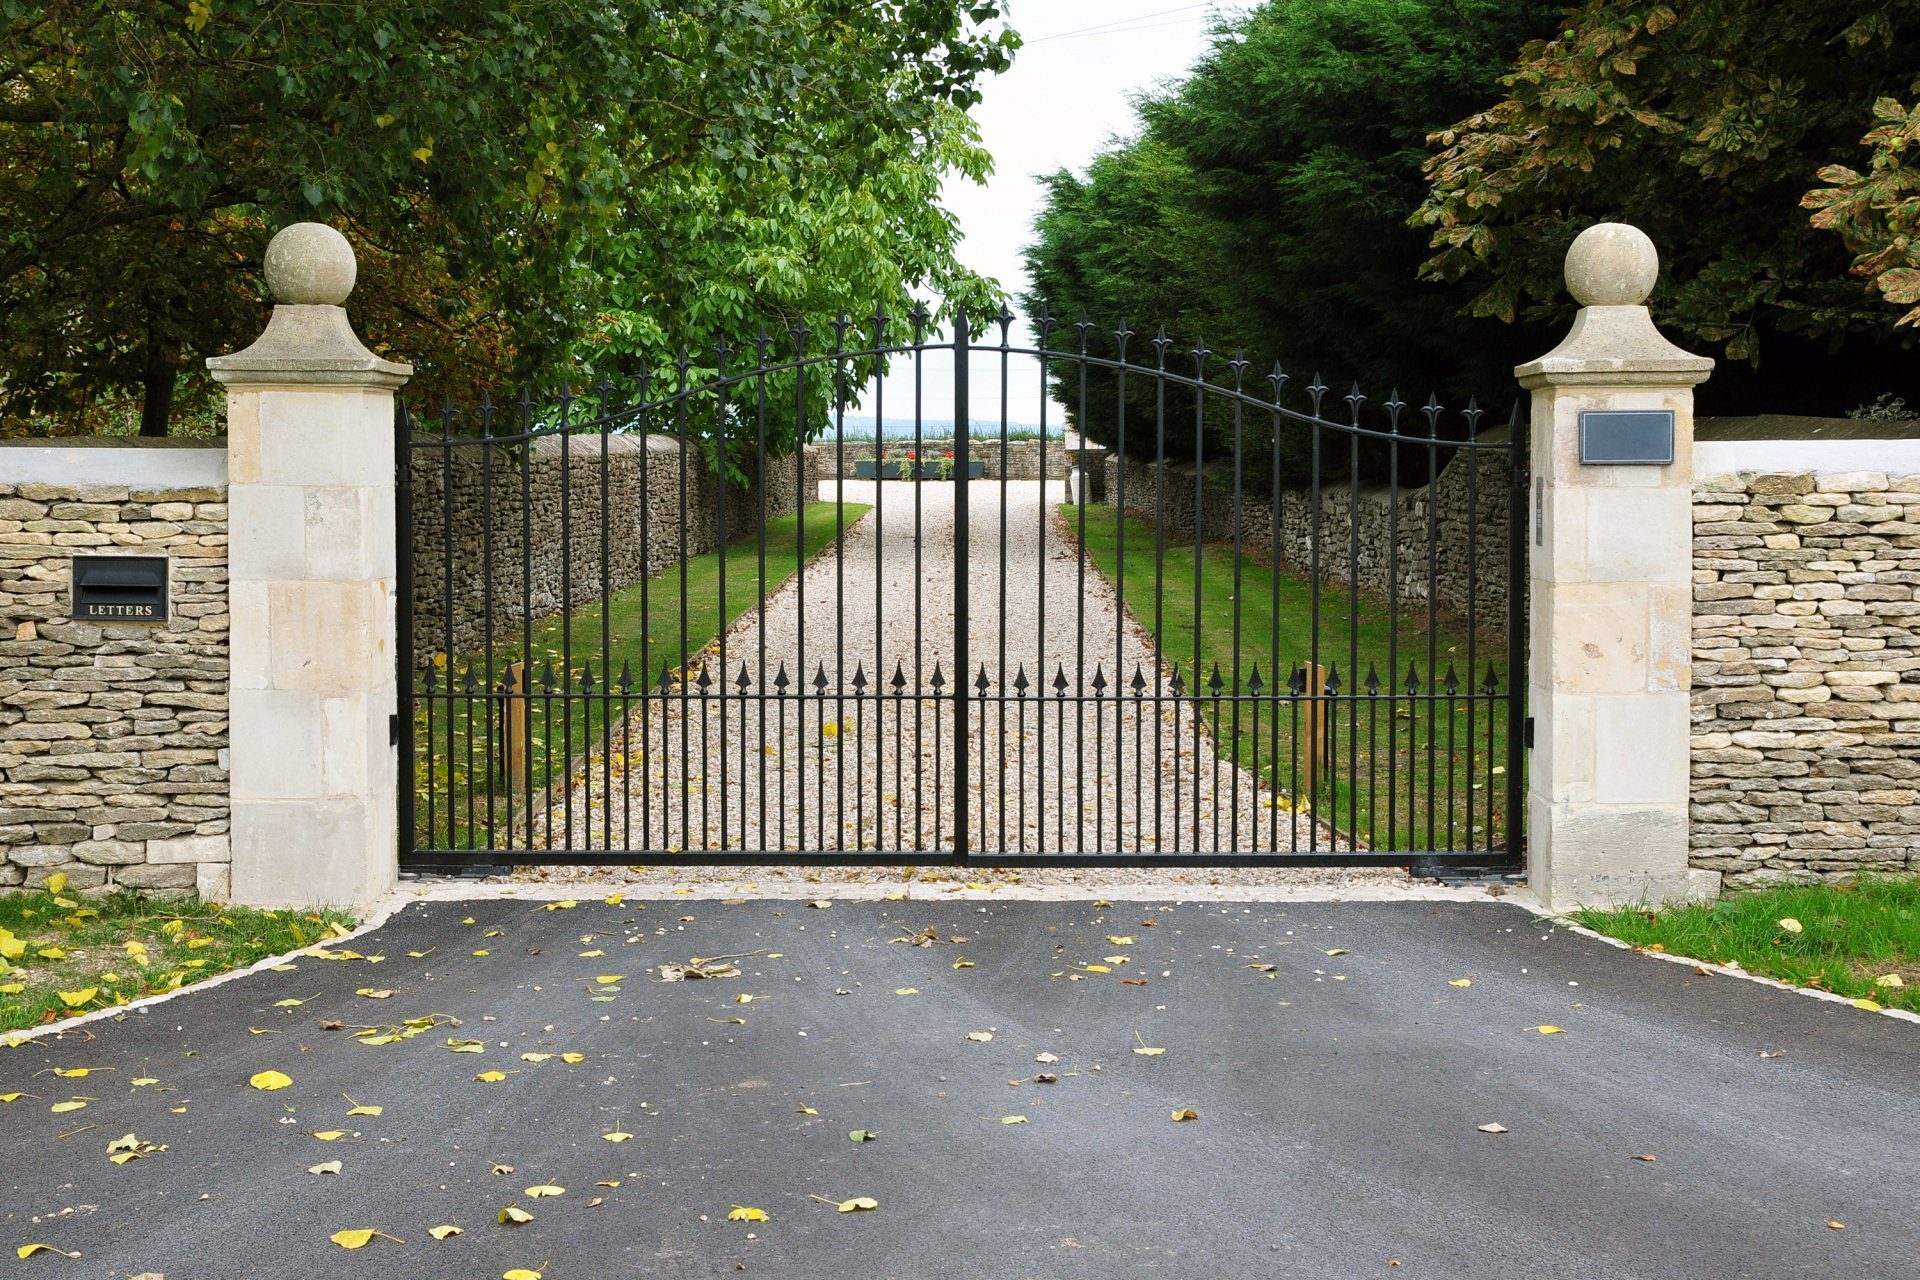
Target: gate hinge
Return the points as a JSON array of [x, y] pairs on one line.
[[393, 730], [1529, 732]]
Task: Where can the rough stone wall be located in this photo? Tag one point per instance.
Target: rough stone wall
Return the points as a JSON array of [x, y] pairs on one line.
[[560, 516], [1461, 518], [1015, 460], [1806, 675], [113, 737]]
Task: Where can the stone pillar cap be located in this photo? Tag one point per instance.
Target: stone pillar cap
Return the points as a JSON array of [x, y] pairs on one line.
[[1611, 269], [310, 269]]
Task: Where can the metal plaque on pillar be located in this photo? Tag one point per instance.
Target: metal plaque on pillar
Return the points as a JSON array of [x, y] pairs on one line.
[[1626, 437]]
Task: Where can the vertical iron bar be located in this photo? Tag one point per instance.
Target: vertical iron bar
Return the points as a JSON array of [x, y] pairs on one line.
[[1517, 586], [961, 558], [403, 631]]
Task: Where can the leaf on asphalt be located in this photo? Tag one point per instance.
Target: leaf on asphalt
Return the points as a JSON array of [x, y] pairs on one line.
[[289, 1003], [364, 1111], [573, 1057], [1185, 1113], [1459, 982], [353, 1238], [76, 1073], [608, 979], [1013, 1119], [543, 1191], [270, 1080], [808, 1111], [1492, 1126], [535, 1057], [1046, 1057], [520, 1273], [857, 1204], [906, 991], [1548, 1030], [330, 1166], [1649, 1158], [11, 1097], [61, 1108], [1147, 1052], [28, 1250], [1871, 1006], [513, 1215], [1119, 941], [1336, 951], [595, 954], [743, 1213], [466, 1046], [821, 904], [562, 905], [444, 1230], [963, 964], [1837, 1226], [980, 1036], [330, 1135], [1097, 968], [616, 1136], [375, 993], [863, 1135], [491, 1077]]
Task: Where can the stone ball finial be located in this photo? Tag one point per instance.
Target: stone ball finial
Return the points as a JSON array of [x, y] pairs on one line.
[[1612, 264], [309, 264]]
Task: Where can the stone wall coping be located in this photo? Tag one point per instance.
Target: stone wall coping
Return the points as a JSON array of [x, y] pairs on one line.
[[1815, 455], [134, 461]]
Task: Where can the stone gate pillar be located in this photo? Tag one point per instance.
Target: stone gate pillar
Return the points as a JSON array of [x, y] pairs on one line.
[[1610, 548], [310, 469]]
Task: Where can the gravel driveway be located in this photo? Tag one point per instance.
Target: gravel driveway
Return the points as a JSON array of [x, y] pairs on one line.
[[859, 757]]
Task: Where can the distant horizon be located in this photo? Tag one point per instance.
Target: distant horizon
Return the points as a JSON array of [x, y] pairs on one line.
[[935, 429]]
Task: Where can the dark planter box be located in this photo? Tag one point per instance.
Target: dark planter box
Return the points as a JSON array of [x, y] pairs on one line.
[[896, 469]]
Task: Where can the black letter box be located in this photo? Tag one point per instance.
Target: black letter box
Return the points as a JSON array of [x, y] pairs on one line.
[[120, 588]]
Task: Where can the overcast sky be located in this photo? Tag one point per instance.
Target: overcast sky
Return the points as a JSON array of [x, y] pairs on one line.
[[1070, 90]]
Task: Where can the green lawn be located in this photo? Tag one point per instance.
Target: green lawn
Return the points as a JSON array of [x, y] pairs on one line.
[[1417, 774], [62, 954], [1860, 939], [459, 774]]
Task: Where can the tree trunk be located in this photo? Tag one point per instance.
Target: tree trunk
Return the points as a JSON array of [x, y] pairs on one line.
[[156, 404]]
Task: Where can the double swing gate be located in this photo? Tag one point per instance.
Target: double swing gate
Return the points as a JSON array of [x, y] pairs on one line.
[[796, 605]]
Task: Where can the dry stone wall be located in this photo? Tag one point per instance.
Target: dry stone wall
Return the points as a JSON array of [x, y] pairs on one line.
[[1806, 675], [1460, 520], [113, 737], [552, 501]]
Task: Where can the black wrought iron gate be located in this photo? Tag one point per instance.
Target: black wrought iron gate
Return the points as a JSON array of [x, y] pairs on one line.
[[753, 608]]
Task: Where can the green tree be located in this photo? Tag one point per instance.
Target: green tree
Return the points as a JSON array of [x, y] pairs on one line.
[[1703, 123], [1263, 204], [486, 157]]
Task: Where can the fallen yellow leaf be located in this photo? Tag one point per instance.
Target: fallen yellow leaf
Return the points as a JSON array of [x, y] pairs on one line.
[[542, 1192], [742, 1213], [444, 1230], [269, 1080], [355, 1238], [491, 1077]]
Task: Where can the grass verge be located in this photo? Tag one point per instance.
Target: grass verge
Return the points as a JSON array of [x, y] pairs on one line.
[[1426, 773], [65, 955], [668, 621], [1859, 939]]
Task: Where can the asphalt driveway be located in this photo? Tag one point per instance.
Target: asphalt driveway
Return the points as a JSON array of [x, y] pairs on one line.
[[1338, 1099]]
